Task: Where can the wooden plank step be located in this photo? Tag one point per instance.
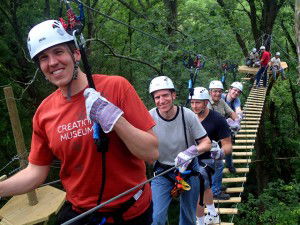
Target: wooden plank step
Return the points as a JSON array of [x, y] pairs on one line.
[[242, 153], [248, 131], [249, 126], [252, 111], [253, 118], [254, 100], [234, 190], [245, 136], [257, 93], [244, 141], [238, 170], [241, 161], [231, 200], [257, 112], [234, 179], [229, 211], [242, 147], [252, 104], [249, 122], [253, 107], [224, 223]]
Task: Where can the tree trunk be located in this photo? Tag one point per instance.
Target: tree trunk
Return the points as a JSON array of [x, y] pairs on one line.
[[297, 25]]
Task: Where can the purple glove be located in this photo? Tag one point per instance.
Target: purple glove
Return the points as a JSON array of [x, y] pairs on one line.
[[216, 152], [100, 110], [234, 124], [184, 158]]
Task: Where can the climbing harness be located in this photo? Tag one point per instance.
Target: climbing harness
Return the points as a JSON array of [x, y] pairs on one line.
[[180, 186]]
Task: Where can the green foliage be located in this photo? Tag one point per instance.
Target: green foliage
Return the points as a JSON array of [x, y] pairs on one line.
[[278, 204]]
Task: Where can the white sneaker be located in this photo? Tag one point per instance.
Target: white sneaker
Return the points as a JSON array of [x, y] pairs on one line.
[[211, 219]]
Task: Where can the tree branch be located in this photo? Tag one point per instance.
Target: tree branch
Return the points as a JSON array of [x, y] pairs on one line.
[[132, 9], [124, 57]]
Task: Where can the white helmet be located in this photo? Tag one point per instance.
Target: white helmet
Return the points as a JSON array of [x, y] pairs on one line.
[[262, 47], [237, 85], [277, 54], [200, 93], [254, 50], [216, 84], [45, 35], [160, 83]]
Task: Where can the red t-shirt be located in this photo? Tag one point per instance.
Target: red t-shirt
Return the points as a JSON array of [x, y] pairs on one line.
[[61, 129], [265, 58]]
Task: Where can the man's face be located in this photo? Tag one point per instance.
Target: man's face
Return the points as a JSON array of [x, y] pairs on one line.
[[215, 94], [57, 64], [164, 99], [234, 93], [198, 106]]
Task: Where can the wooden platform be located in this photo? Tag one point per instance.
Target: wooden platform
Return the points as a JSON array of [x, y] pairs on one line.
[[17, 211], [253, 70]]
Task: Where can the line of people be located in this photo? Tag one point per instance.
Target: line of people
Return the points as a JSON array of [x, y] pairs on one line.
[[263, 60], [168, 135]]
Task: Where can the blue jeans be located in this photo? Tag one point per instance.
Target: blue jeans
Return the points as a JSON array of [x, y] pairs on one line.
[[228, 160], [262, 71], [218, 166], [161, 198], [275, 70]]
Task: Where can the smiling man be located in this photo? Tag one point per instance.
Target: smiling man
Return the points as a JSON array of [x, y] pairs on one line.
[[62, 129], [181, 137]]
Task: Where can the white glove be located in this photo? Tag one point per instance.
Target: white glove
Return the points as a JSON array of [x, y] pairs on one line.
[[184, 158], [216, 152], [240, 115], [100, 110]]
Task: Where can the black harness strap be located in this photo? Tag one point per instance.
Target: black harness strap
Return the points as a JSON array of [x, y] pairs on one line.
[[201, 179]]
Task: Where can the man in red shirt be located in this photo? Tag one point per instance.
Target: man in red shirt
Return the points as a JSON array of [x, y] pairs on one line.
[[264, 60], [62, 129]]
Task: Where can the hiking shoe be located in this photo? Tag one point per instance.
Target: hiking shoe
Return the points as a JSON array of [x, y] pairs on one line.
[[223, 189], [209, 219], [222, 196], [232, 169]]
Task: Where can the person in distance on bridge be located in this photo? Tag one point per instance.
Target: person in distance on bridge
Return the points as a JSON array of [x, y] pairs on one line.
[[253, 58], [264, 61], [275, 65], [181, 138], [218, 131], [62, 129]]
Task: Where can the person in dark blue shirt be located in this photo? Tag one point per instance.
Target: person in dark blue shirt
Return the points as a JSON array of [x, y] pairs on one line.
[[218, 131]]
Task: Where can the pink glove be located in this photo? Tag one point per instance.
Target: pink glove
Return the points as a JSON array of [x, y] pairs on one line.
[[100, 110], [216, 152], [184, 158]]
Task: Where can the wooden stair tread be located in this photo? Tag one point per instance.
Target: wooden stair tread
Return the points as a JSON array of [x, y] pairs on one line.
[[238, 147], [225, 210], [245, 136], [242, 153], [245, 141], [238, 170], [234, 179], [248, 131], [243, 122], [234, 190], [241, 160], [231, 200]]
